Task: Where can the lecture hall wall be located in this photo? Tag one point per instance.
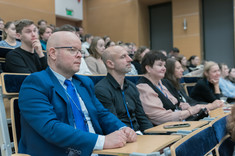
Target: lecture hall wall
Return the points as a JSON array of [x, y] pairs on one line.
[[35, 10], [126, 20]]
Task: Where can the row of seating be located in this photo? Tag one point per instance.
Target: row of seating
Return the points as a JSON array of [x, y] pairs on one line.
[[207, 137], [212, 137]]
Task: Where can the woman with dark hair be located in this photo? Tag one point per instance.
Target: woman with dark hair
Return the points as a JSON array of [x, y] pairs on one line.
[[231, 75], [94, 61], [139, 54], [172, 83], [183, 61], [9, 34], [194, 62], [44, 34], [159, 104]]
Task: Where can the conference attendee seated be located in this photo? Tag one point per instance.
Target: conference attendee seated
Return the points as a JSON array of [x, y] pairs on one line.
[[158, 103], [42, 23], [44, 33], [86, 45], [9, 36], [231, 75], [194, 62], [60, 114], [94, 61], [183, 61], [173, 53], [207, 89], [172, 83], [118, 94], [226, 86], [83, 66], [29, 57], [1, 24], [139, 54]]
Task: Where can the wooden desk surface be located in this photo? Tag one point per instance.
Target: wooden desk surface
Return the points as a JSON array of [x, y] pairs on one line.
[[160, 129], [144, 144]]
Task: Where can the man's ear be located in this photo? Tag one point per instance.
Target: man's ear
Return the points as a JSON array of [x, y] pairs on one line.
[[52, 53], [110, 64]]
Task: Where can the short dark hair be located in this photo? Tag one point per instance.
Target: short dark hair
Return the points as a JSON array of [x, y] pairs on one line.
[[175, 50], [149, 59], [67, 27], [40, 21], [21, 24], [137, 54]]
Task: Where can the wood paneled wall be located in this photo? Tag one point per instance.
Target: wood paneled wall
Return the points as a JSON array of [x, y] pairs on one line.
[[35, 10], [189, 40]]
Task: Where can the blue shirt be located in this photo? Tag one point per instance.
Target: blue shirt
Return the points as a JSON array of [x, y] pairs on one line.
[[5, 44], [227, 87]]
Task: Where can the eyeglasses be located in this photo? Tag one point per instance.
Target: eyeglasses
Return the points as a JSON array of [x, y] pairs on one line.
[[74, 51]]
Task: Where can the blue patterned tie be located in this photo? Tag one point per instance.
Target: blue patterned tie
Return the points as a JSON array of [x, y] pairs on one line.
[[76, 107]]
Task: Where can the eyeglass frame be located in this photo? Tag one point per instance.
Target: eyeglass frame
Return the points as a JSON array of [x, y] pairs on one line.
[[71, 48]]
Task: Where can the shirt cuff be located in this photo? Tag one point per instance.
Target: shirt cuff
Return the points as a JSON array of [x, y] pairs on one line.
[[99, 143]]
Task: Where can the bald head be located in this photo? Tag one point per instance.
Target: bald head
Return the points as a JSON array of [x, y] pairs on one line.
[[110, 52], [59, 39]]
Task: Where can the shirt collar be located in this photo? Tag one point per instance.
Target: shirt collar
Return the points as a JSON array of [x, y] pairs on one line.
[[115, 84], [60, 77]]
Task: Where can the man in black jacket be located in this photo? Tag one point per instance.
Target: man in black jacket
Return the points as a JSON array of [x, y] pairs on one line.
[[118, 94]]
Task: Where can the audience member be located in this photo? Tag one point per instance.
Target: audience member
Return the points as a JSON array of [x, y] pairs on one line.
[[194, 62], [133, 70], [138, 57], [61, 116], [80, 32], [226, 86], [110, 44], [172, 83], [159, 105], [94, 61], [42, 23], [231, 75], [44, 34], [183, 61], [207, 89], [86, 45], [173, 53], [164, 52], [29, 57], [1, 24], [106, 40], [118, 94], [83, 66], [68, 27], [9, 36]]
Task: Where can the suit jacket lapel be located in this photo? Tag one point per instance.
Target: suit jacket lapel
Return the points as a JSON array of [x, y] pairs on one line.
[[61, 92]]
